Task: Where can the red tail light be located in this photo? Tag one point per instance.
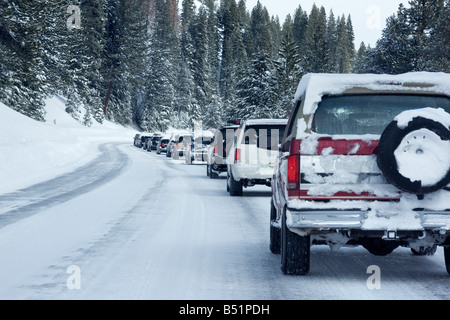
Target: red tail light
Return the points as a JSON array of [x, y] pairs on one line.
[[237, 155], [216, 149], [293, 172]]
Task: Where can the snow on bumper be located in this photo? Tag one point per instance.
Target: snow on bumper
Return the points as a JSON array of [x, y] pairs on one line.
[[252, 172], [350, 219], [408, 213]]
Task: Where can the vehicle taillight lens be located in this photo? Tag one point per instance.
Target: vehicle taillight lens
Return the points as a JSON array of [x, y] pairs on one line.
[[216, 149], [293, 172], [237, 155]]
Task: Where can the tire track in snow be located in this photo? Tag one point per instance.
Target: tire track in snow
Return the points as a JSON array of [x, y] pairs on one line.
[[26, 202]]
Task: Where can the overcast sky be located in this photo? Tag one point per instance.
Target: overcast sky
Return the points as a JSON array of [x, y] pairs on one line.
[[368, 16]]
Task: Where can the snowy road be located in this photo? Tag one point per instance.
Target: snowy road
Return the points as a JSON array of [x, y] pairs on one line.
[[136, 225]]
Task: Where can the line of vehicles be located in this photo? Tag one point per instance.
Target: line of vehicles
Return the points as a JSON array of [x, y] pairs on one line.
[[363, 160]]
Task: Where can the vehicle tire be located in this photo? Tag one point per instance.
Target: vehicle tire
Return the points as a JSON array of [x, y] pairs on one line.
[[212, 174], [208, 173], [416, 143], [275, 232], [424, 251], [447, 258], [235, 187], [295, 251]]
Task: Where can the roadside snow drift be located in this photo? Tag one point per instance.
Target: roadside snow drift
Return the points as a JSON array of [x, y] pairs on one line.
[[33, 151]]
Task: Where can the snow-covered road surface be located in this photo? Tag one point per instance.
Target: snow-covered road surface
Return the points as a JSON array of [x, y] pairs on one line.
[[136, 225]]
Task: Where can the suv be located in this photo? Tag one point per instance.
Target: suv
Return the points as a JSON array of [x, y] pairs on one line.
[[179, 141], [154, 141], [253, 154], [364, 161], [198, 148], [217, 151], [136, 139], [162, 145]]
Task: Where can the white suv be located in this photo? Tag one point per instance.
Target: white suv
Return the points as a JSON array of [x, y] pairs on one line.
[[252, 157]]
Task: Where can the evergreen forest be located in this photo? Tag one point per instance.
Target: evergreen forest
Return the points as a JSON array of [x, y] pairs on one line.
[[156, 64]]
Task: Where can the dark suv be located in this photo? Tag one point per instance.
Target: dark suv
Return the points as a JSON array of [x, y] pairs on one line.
[[218, 150], [364, 161]]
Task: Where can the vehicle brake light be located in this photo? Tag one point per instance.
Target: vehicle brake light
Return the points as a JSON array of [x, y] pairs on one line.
[[216, 149], [237, 156], [293, 172]]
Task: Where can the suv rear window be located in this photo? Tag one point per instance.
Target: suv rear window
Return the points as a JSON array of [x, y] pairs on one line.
[[368, 114], [264, 136]]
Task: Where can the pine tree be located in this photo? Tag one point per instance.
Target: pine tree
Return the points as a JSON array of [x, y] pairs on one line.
[[359, 66], [233, 55], [350, 42], [440, 41], [394, 49], [23, 83], [259, 37], [300, 24], [92, 57], [254, 91], [332, 44], [287, 73], [126, 52], [343, 56], [315, 55], [164, 59]]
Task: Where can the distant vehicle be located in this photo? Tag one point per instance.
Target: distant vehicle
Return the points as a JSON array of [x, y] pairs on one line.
[[147, 144], [170, 147], [197, 152], [253, 154], [141, 141], [137, 139], [179, 141], [217, 151], [154, 141], [365, 161], [162, 146]]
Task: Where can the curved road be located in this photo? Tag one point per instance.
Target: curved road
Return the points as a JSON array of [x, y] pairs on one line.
[[136, 225]]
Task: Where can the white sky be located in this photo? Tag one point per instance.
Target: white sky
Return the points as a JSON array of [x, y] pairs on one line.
[[368, 16]]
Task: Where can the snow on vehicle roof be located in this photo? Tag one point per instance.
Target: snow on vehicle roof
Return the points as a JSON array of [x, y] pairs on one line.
[[265, 121], [314, 86]]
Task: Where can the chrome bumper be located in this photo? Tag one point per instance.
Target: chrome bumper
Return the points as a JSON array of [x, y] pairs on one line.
[[367, 220]]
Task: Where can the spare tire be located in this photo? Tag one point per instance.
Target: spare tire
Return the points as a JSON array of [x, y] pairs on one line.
[[415, 158]]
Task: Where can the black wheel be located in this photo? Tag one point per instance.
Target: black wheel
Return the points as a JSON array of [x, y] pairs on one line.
[[404, 154], [447, 258], [208, 172], [424, 251], [212, 174], [234, 187], [295, 251], [275, 231]]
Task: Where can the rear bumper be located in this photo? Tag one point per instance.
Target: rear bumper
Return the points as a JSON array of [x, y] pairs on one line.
[[243, 171], [323, 220]]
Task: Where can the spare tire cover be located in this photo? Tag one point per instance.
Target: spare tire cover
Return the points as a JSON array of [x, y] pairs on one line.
[[416, 158]]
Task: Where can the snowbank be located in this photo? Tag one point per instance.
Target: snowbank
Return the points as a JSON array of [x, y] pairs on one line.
[[33, 151]]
